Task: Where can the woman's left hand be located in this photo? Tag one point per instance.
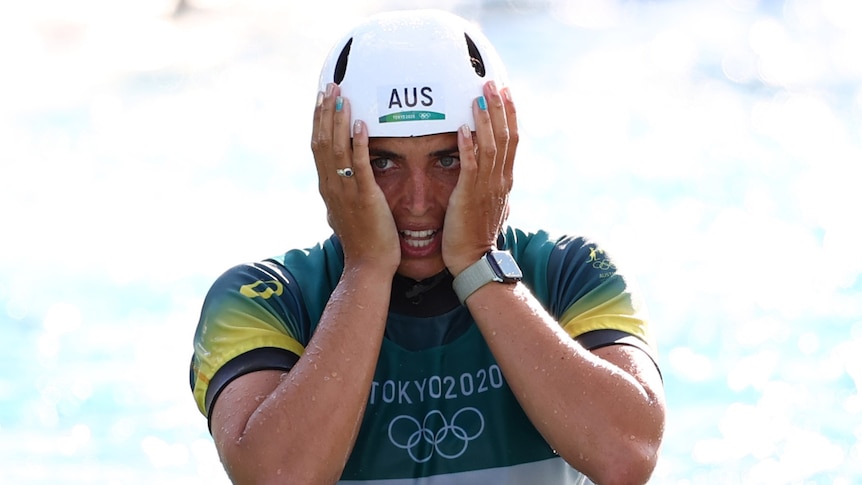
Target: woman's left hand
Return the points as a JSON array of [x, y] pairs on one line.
[[479, 204]]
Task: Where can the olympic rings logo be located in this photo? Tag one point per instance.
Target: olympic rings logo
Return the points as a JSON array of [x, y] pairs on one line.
[[435, 434], [597, 262], [603, 264]]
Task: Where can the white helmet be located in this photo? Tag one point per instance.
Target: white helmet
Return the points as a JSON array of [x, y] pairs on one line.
[[413, 72]]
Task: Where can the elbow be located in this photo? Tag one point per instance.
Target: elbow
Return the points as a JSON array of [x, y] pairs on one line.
[[245, 466], [624, 475], [277, 476], [632, 466], [242, 470]]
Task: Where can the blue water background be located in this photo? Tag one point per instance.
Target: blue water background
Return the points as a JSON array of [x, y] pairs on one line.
[[714, 146]]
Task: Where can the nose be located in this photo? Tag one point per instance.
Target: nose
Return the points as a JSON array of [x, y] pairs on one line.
[[418, 195]]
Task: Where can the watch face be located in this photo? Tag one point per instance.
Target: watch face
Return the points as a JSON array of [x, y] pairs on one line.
[[508, 268]]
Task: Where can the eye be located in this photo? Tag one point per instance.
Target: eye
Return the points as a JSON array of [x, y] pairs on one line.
[[449, 161], [381, 164]]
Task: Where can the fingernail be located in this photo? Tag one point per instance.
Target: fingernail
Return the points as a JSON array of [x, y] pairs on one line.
[[319, 98], [329, 88], [507, 93], [492, 86], [465, 131], [483, 105], [357, 127], [339, 103]]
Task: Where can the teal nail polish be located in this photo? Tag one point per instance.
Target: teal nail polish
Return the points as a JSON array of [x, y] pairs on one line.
[[339, 103], [483, 105]]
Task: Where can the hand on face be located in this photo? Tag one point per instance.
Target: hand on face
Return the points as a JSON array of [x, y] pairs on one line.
[[479, 204], [356, 207]]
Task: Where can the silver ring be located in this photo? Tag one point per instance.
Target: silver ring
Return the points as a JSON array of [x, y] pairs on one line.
[[345, 172]]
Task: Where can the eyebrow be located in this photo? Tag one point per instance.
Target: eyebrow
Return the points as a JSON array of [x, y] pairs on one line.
[[444, 152], [377, 152]]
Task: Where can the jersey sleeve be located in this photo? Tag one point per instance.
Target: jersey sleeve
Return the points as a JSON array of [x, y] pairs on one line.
[[580, 285], [249, 321], [593, 300]]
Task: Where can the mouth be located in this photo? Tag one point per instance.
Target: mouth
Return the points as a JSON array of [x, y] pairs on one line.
[[418, 239]]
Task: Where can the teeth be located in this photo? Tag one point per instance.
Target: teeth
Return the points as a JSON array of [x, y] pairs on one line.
[[418, 239], [425, 233], [418, 243]]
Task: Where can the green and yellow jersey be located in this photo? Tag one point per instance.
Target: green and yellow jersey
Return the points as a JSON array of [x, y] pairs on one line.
[[440, 410]]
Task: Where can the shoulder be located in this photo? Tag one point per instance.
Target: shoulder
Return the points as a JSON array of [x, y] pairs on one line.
[[543, 244], [581, 284], [251, 279], [288, 291], [564, 254], [259, 315], [549, 261], [274, 275]]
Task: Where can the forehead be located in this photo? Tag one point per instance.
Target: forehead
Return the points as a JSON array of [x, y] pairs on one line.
[[414, 145]]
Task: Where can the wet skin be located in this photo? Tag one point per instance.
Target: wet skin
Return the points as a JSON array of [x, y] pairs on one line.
[[417, 176]]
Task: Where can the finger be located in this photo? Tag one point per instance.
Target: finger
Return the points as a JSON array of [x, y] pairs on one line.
[[315, 126], [361, 160], [321, 143], [512, 122], [467, 155], [499, 126], [341, 148], [487, 149]]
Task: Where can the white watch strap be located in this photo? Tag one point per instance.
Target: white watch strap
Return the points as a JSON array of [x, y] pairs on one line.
[[474, 277]]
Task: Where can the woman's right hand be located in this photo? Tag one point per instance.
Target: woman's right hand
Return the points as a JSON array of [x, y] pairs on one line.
[[356, 208]]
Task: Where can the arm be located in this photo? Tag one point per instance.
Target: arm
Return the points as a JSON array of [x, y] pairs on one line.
[[602, 411], [300, 427]]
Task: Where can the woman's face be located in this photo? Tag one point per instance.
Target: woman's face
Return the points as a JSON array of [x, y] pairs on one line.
[[417, 175]]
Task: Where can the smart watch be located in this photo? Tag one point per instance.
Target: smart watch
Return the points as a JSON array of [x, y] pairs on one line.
[[495, 265]]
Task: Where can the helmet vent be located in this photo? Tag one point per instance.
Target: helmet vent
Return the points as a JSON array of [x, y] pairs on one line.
[[475, 57], [341, 64]]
